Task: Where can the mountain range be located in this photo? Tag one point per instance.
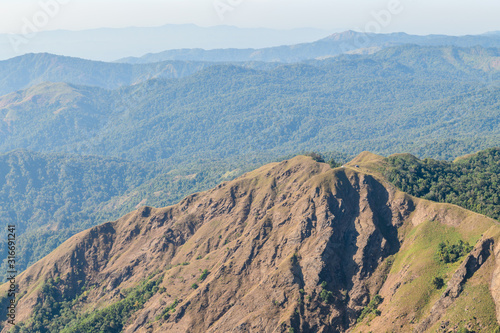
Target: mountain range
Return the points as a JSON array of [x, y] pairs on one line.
[[25, 71], [438, 102], [108, 44], [298, 245], [29, 70], [333, 45], [347, 103]]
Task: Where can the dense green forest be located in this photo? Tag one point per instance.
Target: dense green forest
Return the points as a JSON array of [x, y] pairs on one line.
[[407, 98], [471, 182], [50, 196]]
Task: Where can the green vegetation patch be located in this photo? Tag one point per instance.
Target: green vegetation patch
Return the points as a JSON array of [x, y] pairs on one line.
[[450, 253], [470, 182], [203, 275], [371, 308], [325, 295], [59, 314], [165, 314], [113, 318]]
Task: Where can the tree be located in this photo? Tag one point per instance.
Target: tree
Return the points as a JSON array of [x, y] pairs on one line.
[[317, 157], [334, 164], [438, 282]]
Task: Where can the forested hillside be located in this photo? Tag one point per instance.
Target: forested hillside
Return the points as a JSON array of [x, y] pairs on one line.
[[51, 196], [407, 98], [472, 182], [26, 71]]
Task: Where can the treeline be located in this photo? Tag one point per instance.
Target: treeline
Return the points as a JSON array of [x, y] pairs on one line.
[[472, 182]]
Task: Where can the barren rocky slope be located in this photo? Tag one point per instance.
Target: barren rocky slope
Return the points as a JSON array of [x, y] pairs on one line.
[[291, 247]]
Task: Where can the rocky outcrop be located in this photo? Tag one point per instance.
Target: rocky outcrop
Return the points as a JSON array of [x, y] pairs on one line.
[[495, 281], [469, 266]]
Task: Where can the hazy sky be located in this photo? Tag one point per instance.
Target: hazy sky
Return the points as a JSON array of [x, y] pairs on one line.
[[412, 16]]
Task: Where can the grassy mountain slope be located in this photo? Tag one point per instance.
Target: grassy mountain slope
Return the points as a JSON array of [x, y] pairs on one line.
[[50, 197], [386, 102], [292, 246]]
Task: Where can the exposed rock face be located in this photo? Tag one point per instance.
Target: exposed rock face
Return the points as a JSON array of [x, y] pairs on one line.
[[495, 281], [268, 240]]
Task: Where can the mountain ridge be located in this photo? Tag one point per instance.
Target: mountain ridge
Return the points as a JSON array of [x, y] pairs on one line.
[[25, 71], [256, 246], [333, 45], [108, 44], [68, 193], [323, 105]]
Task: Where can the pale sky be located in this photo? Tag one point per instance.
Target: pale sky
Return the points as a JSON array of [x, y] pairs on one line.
[[412, 16]]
